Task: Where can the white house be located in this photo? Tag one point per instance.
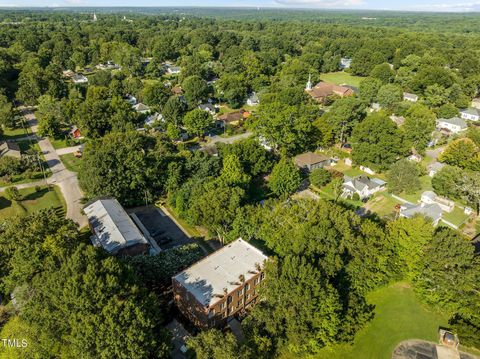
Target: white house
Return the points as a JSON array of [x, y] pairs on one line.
[[253, 100], [410, 97], [362, 185], [454, 124], [471, 113], [476, 103], [113, 229], [79, 79], [153, 119], [172, 70], [345, 63], [430, 197], [141, 108], [415, 157], [132, 100]]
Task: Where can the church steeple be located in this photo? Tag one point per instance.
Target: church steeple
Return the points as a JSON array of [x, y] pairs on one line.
[[309, 83], [94, 17]]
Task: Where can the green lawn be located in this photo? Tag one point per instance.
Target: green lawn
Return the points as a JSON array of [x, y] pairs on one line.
[[382, 204], [456, 217], [327, 192], [399, 315], [341, 78], [14, 133], [58, 143], [33, 201], [426, 183], [71, 162]]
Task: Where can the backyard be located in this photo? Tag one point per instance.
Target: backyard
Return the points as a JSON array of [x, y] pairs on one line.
[[399, 315], [32, 201], [341, 78]]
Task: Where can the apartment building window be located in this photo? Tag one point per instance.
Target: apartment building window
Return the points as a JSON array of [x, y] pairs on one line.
[[222, 306], [247, 286], [240, 292], [262, 276], [247, 296], [229, 300]]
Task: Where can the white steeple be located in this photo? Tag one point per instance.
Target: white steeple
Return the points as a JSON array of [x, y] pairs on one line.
[[309, 83], [94, 17]]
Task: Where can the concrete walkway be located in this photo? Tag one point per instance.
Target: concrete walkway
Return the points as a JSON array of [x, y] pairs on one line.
[[228, 140], [67, 150], [66, 180]]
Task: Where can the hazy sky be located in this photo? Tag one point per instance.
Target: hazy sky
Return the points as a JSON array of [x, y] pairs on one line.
[[422, 5]]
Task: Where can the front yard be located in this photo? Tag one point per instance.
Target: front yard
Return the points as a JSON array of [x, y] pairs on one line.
[[32, 201]]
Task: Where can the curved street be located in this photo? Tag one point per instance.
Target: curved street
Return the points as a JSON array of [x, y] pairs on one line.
[[66, 180]]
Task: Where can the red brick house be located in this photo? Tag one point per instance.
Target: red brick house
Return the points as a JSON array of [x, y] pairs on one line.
[[220, 286], [323, 90]]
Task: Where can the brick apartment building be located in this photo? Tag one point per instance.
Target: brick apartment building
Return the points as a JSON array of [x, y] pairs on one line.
[[220, 286]]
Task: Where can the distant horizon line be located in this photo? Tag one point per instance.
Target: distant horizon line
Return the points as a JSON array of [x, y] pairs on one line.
[[235, 7]]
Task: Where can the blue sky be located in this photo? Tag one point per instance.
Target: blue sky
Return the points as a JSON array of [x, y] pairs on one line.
[[416, 5]]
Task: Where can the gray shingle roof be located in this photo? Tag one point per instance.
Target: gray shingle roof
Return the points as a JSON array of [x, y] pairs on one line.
[[457, 121]]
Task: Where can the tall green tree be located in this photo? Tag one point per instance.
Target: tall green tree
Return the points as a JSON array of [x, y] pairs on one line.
[[404, 176], [285, 178], [419, 125], [49, 115], [197, 121], [377, 142]]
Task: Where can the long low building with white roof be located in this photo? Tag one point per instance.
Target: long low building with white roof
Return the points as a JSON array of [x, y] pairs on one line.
[[221, 285], [113, 229]]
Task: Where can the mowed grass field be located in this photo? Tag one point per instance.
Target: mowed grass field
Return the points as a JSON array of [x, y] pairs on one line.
[[33, 201], [341, 78], [399, 315], [71, 162]]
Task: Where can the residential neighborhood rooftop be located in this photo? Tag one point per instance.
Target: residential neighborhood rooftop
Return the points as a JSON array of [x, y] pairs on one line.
[[221, 270], [113, 227], [457, 121], [309, 158]]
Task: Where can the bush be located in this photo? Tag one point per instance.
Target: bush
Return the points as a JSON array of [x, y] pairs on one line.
[[38, 188], [320, 177], [10, 166], [13, 194], [356, 197]]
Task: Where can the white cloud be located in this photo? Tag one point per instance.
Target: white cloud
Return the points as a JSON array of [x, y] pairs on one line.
[[322, 3], [445, 7]]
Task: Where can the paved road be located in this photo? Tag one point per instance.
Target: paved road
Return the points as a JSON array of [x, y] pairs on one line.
[[63, 178], [228, 140], [434, 153]]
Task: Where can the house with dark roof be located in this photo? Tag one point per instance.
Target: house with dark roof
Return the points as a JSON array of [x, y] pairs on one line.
[[362, 185], [472, 114], [210, 108], [310, 161], [10, 149], [234, 118]]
